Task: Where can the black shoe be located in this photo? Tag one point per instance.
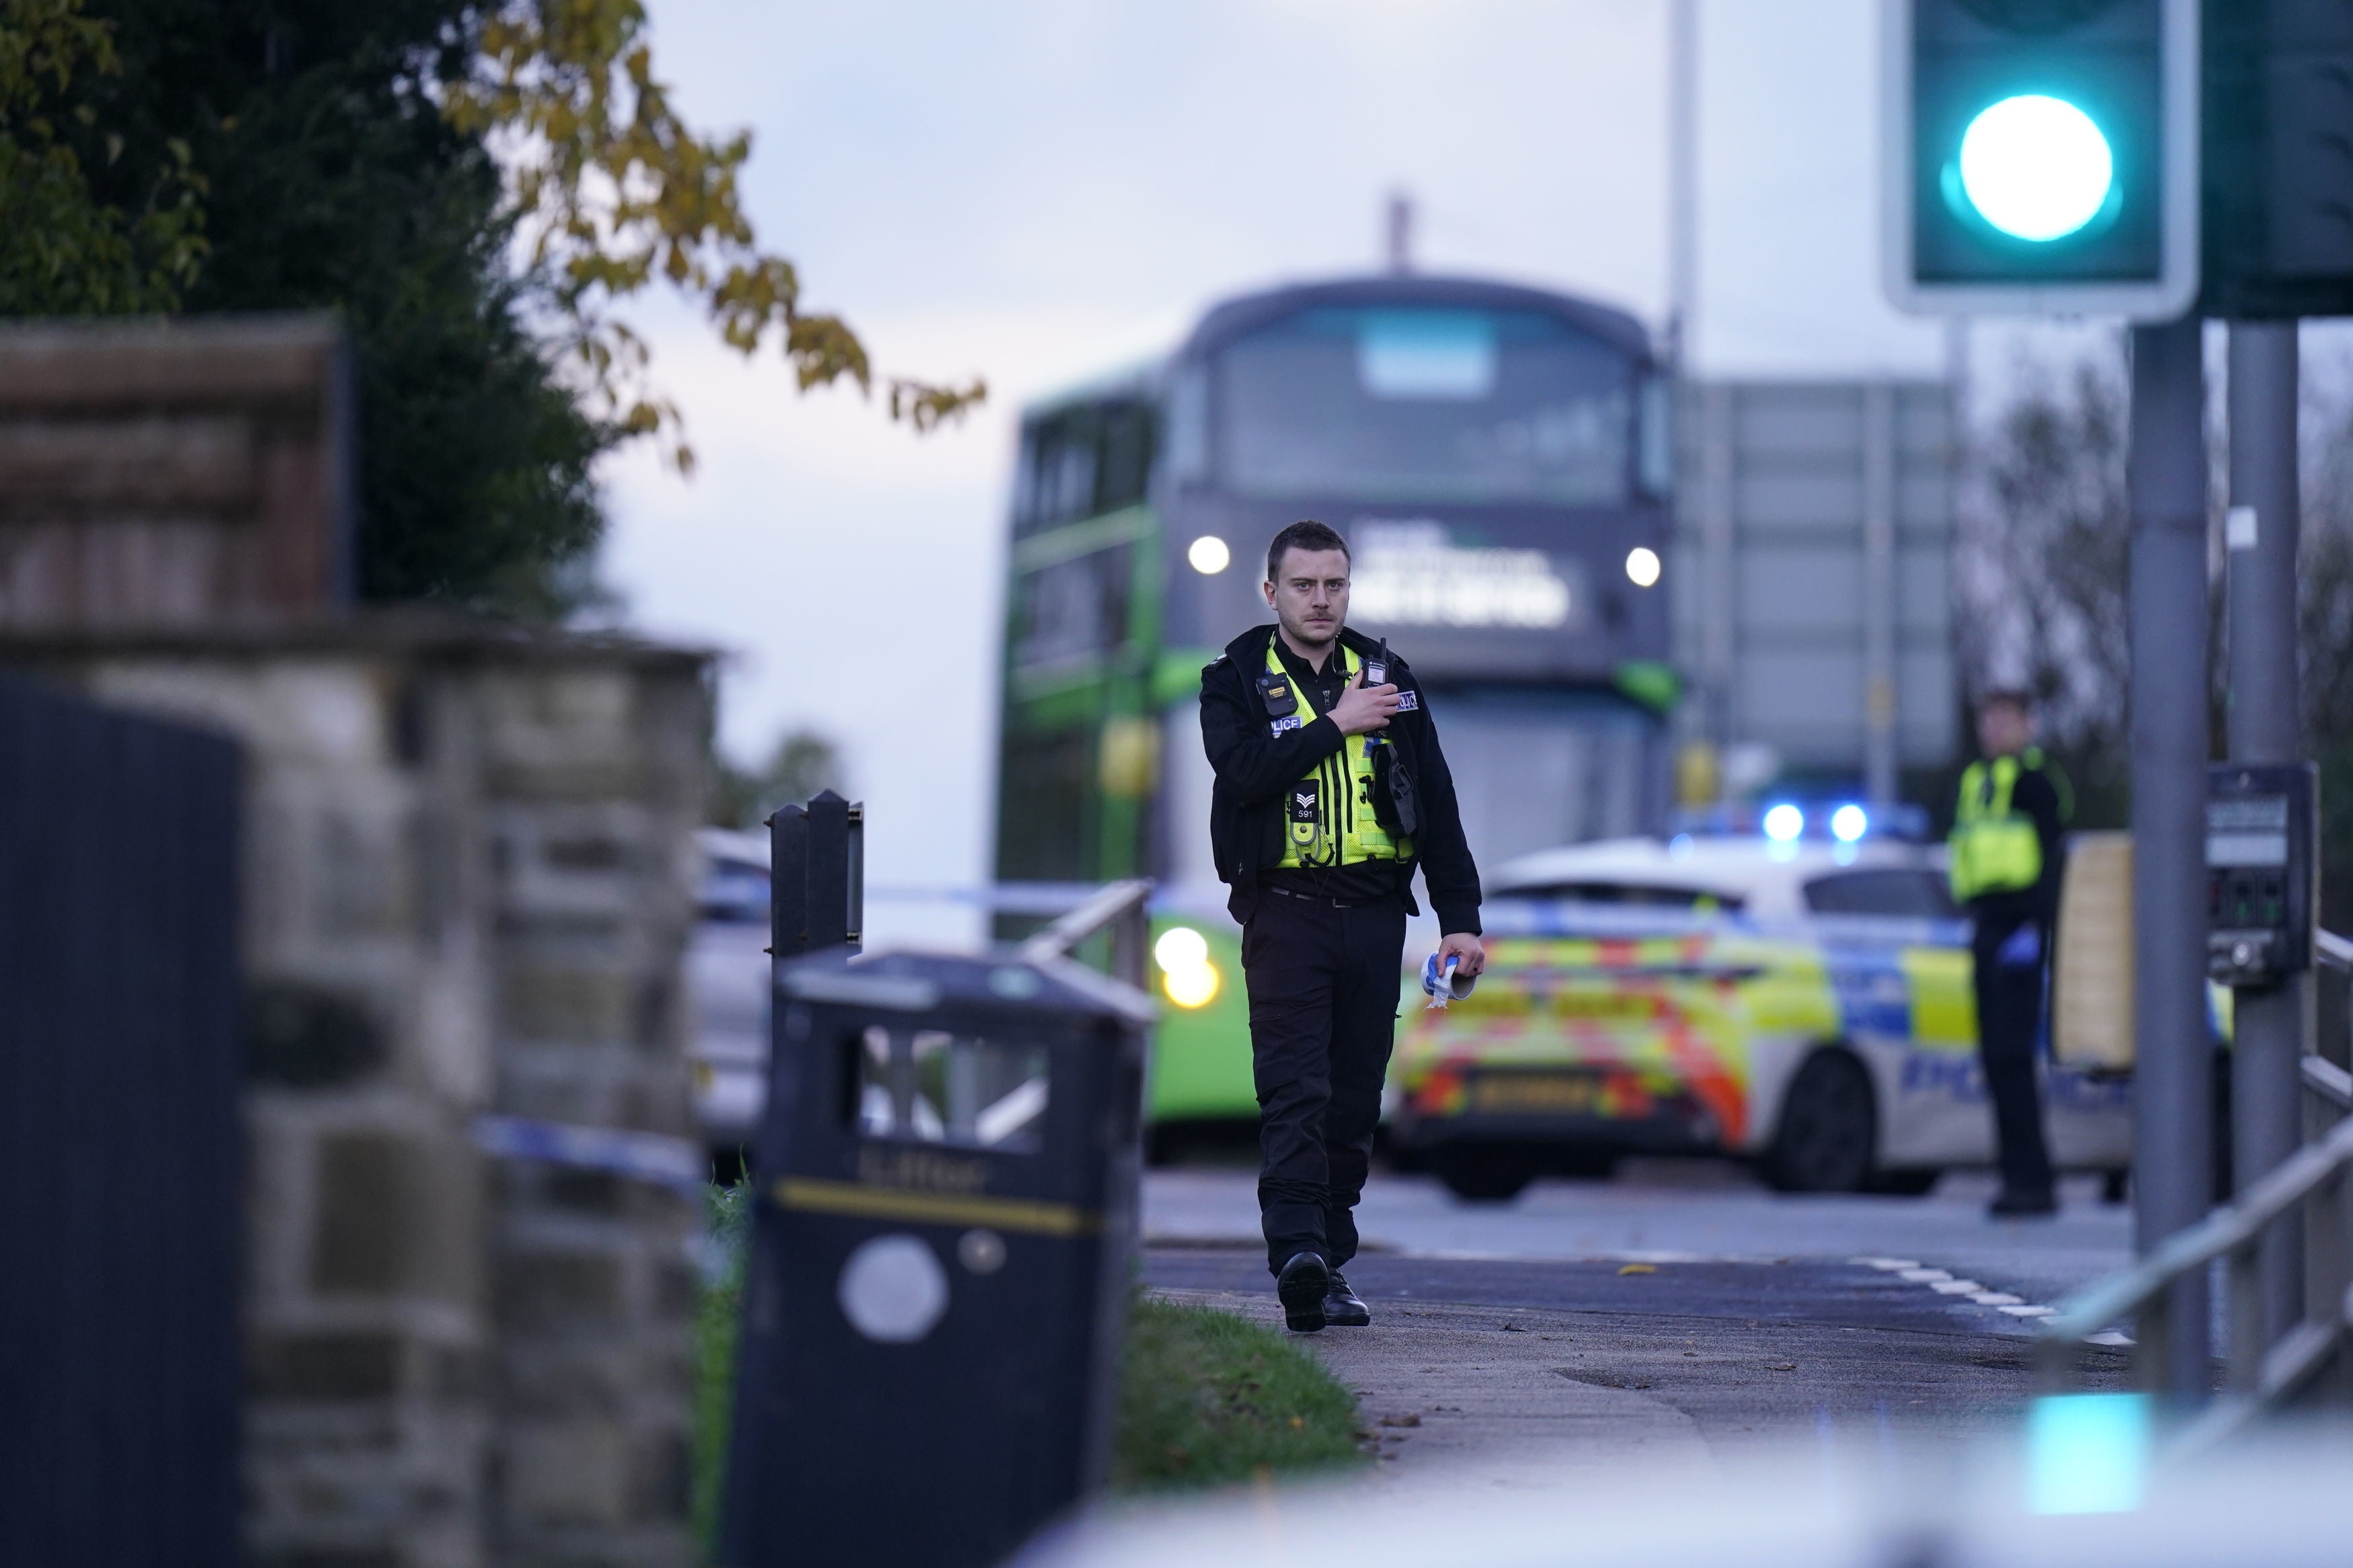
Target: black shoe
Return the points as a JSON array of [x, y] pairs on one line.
[[2010, 1204], [1342, 1308], [1301, 1286]]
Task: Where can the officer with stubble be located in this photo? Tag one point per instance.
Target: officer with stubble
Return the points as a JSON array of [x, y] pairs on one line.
[[1331, 789]]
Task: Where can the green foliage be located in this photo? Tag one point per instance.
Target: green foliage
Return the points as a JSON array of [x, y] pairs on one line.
[[330, 180], [615, 192], [315, 155], [1208, 1399], [64, 251], [802, 764], [728, 1217]]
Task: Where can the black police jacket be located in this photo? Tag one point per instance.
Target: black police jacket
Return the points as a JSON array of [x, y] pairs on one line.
[[1255, 769]]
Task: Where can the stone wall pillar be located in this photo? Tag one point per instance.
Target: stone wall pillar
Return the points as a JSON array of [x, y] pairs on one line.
[[469, 877]]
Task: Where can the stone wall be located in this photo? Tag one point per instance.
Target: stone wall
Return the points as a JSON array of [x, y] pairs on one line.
[[182, 473], [469, 874]]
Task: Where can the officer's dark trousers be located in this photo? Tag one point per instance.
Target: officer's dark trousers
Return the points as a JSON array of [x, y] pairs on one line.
[[2009, 1022], [1323, 984]]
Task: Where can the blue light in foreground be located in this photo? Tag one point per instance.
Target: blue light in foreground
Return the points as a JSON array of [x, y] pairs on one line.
[[1848, 824], [2087, 1453], [1784, 823]]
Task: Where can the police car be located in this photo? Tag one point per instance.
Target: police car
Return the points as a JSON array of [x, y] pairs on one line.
[[1803, 1002]]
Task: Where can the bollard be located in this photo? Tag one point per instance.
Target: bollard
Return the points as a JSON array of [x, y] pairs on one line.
[[940, 1257], [817, 857]]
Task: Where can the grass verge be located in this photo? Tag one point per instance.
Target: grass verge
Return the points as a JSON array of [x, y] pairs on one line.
[[729, 1215], [1206, 1398]]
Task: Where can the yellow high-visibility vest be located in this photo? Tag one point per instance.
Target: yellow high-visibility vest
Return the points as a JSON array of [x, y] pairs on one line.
[[1995, 849], [1327, 815]]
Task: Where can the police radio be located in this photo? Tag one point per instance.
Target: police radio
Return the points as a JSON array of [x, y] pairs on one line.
[[1393, 805], [2262, 871], [1376, 673]]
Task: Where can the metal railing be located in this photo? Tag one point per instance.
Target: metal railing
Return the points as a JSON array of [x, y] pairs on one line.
[[2314, 1358], [1123, 908]]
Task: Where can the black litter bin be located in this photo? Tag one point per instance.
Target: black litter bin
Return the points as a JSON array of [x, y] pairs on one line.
[[939, 1258]]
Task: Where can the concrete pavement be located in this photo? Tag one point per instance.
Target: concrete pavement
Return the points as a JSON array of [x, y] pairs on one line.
[[1676, 1315]]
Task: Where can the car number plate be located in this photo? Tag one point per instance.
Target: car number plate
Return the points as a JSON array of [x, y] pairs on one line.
[[1536, 1093]]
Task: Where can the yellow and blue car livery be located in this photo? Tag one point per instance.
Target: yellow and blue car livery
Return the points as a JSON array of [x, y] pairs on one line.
[[1808, 1005]]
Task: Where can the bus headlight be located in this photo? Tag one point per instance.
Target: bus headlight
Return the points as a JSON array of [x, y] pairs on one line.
[[1185, 972]]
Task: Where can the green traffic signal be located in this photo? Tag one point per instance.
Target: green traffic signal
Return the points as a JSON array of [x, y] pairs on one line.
[[2042, 155], [2036, 167]]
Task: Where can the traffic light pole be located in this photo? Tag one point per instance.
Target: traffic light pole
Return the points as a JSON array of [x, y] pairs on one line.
[[2172, 1083], [2270, 1021]]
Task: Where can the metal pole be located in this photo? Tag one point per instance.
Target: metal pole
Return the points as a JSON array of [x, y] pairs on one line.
[[1682, 180], [2271, 1022], [1879, 593], [2172, 1083]]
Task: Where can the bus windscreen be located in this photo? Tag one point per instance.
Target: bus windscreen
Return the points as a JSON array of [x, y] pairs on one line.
[[1390, 403]]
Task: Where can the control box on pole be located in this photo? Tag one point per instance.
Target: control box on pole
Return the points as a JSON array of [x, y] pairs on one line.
[[2262, 833]]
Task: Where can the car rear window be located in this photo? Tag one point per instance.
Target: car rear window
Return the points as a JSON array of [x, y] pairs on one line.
[[1698, 899], [1912, 894]]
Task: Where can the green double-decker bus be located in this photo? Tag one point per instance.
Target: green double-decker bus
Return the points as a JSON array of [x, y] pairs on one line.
[[1498, 458]]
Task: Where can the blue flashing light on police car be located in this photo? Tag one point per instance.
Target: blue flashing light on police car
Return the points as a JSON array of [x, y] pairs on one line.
[[1784, 823], [1849, 823]]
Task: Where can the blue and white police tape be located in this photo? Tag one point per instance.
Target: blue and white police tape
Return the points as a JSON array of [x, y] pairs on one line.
[[646, 1156], [1447, 987]]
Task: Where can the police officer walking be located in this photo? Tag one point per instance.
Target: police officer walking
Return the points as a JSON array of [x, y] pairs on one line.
[[2007, 860], [1330, 789]]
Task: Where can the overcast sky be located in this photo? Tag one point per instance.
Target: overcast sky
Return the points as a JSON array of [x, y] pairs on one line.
[[1006, 189]]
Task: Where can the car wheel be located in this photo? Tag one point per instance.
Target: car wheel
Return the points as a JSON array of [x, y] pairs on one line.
[[1830, 1126], [1483, 1175]]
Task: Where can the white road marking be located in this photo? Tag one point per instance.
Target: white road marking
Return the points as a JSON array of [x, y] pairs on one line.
[[1912, 1272]]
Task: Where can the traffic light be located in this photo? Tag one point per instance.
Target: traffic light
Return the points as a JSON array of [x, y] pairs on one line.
[[2040, 156], [2278, 166]]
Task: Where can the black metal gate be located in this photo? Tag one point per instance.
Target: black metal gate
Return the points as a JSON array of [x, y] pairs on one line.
[[120, 1210]]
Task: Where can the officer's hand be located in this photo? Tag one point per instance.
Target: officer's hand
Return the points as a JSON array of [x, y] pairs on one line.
[[1362, 708], [1466, 950]]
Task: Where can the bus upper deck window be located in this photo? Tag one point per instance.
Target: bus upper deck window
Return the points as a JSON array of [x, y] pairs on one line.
[[1439, 355], [1417, 406]]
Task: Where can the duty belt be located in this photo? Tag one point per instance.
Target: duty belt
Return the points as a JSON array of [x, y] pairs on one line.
[[1306, 898]]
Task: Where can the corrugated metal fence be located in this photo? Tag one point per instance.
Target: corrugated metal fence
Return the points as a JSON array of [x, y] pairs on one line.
[[119, 1143]]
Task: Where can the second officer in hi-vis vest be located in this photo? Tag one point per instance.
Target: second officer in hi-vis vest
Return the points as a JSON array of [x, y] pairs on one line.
[[1330, 790], [2008, 847]]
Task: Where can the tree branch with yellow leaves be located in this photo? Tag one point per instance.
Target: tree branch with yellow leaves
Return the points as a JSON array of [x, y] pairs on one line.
[[613, 193]]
